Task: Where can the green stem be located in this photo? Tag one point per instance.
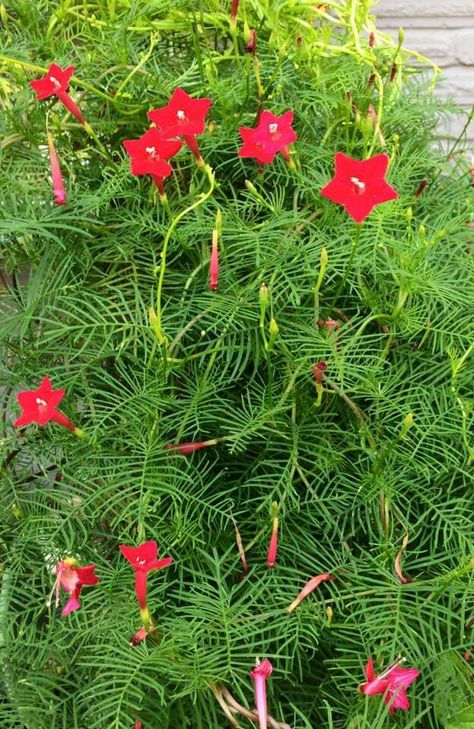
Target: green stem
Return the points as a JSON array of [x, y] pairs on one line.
[[355, 245], [201, 199]]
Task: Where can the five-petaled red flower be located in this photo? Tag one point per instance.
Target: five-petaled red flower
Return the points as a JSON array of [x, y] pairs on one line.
[[144, 559], [392, 682], [359, 185], [183, 117], [55, 82], [72, 579], [149, 154], [272, 135], [40, 406]]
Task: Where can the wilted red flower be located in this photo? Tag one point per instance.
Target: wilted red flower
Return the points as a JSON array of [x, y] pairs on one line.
[[140, 635], [318, 371], [272, 135], [58, 183], [149, 154], [72, 578], [359, 185], [311, 585], [393, 683], [260, 674], [56, 83], [183, 117], [144, 559], [39, 406], [421, 187]]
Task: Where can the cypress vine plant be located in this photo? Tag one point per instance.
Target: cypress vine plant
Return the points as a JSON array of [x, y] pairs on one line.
[[274, 389]]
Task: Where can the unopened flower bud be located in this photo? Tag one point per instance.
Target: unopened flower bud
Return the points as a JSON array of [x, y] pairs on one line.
[[407, 424]]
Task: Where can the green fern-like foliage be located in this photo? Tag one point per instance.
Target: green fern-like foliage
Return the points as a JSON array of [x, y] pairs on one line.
[[385, 450]]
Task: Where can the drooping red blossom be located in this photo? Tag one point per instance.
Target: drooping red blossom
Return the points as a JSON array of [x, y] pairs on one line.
[[55, 82], [260, 674], [186, 448], [311, 585], [359, 185], [149, 155], [371, 40], [40, 406], [214, 264], [72, 578], [330, 325], [392, 683], [272, 551], [271, 136], [58, 183], [138, 724], [393, 73], [318, 371], [144, 559], [183, 117]]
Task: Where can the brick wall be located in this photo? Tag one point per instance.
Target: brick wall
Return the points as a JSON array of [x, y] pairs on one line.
[[444, 31]]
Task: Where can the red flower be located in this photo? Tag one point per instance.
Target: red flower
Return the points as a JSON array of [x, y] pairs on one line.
[[58, 184], [39, 406], [144, 559], [393, 683], [149, 154], [359, 185], [56, 83], [72, 579], [260, 674], [272, 135], [183, 117]]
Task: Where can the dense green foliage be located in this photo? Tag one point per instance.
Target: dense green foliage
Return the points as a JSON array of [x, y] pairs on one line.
[[387, 451]]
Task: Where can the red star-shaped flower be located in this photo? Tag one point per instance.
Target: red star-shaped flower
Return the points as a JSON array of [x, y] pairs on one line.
[[40, 406], [72, 579], [393, 683], [183, 117], [359, 185], [56, 83], [144, 559], [272, 135], [56, 79], [149, 154]]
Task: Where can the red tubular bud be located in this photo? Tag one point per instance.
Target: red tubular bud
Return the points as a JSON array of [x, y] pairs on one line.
[[233, 11], [214, 264], [187, 448], [393, 73], [58, 183]]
